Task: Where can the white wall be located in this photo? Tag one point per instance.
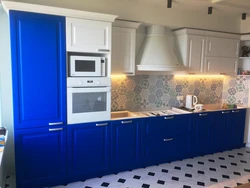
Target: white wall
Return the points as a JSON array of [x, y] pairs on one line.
[[6, 88], [245, 25], [143, 11]]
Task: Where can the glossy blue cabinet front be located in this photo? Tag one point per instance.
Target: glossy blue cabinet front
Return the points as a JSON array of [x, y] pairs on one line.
[[38, 69], [236, 128], [202, 125], [125, 139], [219, 130], [40, 157], [88, 150], [166, 139]]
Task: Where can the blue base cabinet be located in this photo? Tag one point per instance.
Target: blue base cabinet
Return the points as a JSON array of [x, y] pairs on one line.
[[88, 150], [166, 139], [219, 131], [40, 157], [236, 127], [201, 134], [126, 144]]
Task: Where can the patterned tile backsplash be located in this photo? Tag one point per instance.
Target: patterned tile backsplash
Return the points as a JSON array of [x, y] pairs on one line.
[[146, 92]]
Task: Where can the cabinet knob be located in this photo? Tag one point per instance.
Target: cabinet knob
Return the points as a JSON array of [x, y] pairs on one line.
[[225, 112], [202, 114], [171, 117], [235, 111], [56, 123], [124, 122], [168, 139]]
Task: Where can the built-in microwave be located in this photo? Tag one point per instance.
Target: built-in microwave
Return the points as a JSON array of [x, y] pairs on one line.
[[87, 66]]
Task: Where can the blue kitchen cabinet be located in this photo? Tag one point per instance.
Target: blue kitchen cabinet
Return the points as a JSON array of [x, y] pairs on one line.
[[219, 132], [125, 147], [40, 157], [38, 55], [236, 128], [166, 139], [201, 134], [88, 150]]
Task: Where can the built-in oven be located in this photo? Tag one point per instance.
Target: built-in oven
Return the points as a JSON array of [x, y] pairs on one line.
[[88, 100]]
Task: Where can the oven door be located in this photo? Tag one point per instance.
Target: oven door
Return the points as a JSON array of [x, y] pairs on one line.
[[88, 104], [85, 66]]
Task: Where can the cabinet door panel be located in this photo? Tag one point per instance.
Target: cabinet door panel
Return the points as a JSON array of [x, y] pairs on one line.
[[236, 128], [123, 50], [202, 128], [88, 150], [195, 53], [219, 131], [40, 156], [88, 35], [215, 65], [38, 69], [125, 144], [222, 47]]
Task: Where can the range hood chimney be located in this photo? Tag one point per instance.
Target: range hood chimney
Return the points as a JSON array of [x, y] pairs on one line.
[[157, 51]]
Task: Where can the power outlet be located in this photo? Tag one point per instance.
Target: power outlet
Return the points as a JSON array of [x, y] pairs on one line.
[[179, 98]]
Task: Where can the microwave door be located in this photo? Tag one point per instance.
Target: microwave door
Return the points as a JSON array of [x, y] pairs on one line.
[[85, 66], [88, 104]]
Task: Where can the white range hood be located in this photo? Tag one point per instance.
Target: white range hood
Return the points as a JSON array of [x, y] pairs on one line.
[[157, 51]]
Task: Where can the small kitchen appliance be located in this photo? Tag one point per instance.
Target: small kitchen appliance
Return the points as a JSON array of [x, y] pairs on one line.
[[87, 66], [191, 100]]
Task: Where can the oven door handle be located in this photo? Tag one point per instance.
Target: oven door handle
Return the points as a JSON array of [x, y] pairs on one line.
[[88, 89]]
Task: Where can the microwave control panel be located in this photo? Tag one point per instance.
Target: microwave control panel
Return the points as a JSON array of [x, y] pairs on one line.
[[88, 82]]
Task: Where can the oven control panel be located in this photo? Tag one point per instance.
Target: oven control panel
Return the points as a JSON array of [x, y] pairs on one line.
[[88, 82]]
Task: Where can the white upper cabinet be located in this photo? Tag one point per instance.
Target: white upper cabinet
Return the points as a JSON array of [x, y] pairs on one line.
[[215, 65], [123, 47], [222, 47], [88, 35], [207, 52], [195, 56]]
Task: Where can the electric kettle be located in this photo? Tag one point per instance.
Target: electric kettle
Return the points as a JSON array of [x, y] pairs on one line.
[[191, 100]]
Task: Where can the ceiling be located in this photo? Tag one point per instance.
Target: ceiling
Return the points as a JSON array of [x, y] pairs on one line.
[[223, 6]]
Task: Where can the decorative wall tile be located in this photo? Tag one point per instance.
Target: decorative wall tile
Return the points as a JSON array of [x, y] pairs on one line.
[[146, 92], [235, 90]]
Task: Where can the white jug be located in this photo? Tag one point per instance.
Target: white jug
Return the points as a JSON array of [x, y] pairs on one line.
[[191, 100]]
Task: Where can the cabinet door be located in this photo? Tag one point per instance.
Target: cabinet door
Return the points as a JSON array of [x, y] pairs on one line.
[[195, 53], [88, 149], [88, 35], [219, 131], [202, 131], [215, 65], [125, 144], [123, 51], [236, 128], [222, 47], [40, 155], [38, 69], [176, 131], [152, 146]]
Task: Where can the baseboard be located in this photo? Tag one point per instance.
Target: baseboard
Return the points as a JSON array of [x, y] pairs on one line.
[[4, 180], [248, 145]]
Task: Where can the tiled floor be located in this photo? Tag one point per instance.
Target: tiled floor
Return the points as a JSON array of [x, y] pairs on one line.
[[220, 170]]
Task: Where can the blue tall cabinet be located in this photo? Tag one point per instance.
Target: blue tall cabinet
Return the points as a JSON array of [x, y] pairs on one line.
[[39, 98]]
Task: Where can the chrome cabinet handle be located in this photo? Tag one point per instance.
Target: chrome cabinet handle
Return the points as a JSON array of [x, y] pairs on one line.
[[124, 122], [168, 139], [56, 123], [103, 50], [202, 114], [171, 117], [235, 111], [101, 124], [56, 129], [225, 112]]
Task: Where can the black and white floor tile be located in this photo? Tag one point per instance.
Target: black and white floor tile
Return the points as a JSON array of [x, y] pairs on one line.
[[221, 170]]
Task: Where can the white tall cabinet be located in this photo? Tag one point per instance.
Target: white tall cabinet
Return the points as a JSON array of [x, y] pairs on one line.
[[123, 47], [207, 52]]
